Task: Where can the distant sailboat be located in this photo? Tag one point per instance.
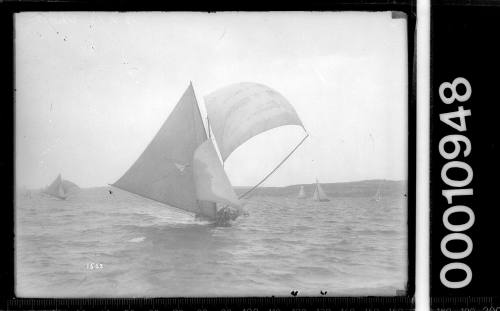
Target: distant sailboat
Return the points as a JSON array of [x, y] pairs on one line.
[[302, 193], [60, 188], [319, 195], [377, 197], [181, 167]]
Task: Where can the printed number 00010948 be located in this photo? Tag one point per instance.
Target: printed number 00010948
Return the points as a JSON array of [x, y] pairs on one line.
[[458, 184]]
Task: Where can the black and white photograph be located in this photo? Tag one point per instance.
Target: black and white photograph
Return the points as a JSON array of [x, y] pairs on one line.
[[226, 154]]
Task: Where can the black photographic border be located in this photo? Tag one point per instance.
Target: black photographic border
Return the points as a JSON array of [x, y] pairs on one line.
[[7, 295], [461, 47]]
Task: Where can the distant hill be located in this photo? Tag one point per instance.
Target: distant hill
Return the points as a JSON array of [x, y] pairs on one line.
[[365, 188]]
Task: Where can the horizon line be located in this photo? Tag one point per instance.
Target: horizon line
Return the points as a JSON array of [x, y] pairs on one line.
[[238, 186]]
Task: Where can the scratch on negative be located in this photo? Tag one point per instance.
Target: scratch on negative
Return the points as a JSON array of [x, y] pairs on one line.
[[223, 34]]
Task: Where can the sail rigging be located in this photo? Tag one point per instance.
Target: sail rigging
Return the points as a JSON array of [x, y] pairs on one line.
[[275, 168], [181, 165]]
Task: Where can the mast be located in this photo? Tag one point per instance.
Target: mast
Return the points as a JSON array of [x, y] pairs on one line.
[[377, 194], [197, 104], [316, 194], [208, 127], [205, 208], [317, 190]]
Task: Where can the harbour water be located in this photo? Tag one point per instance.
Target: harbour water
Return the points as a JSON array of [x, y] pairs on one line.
[[97, 244]]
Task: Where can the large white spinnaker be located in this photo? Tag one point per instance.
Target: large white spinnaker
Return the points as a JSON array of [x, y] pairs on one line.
[[241, 111]]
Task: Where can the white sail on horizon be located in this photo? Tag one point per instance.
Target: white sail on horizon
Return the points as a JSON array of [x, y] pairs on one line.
[[378, 196], [60, 188], [319, 193], [55, 188], [302, 193]]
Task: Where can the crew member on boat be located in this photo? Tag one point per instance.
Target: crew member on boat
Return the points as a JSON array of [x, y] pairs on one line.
[[226, 214]]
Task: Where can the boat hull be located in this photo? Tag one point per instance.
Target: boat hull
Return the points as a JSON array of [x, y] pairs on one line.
[[323, 200]]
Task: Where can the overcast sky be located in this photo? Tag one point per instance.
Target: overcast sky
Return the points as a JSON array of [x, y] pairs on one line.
[[92, 89]]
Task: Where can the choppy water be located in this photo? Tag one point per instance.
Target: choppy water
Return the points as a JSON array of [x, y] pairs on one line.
[[348, 246]]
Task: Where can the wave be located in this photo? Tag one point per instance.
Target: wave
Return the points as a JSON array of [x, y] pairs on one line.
[[137, 240], [148, 249]]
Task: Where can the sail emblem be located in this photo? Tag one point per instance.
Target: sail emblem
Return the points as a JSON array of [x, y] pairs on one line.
[[181, 167]]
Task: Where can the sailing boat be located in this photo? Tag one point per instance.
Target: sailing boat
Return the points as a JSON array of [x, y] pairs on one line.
[[302, 193], [319, 195], [377, 197], [181, 166], [60, 188]]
